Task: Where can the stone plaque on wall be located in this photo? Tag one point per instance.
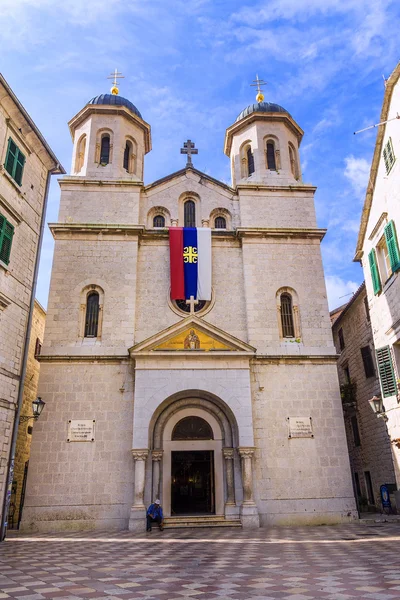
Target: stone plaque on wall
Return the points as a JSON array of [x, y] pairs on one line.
[[300, 427], [81, 430]]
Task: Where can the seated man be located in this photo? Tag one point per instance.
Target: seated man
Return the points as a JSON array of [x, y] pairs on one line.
[[154, 514]]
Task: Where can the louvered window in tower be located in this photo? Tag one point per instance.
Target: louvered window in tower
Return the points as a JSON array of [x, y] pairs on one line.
[[159, 221], [92, 314], [105, 150], [271, 163], [189, 213], [220, 223], [127, 154], [250, 162], [287, 316]]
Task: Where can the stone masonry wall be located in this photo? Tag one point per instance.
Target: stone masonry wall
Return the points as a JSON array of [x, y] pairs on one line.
[[374, 453], [24, 438]]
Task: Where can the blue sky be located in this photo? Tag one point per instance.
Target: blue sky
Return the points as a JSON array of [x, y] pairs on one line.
[[188, 66]]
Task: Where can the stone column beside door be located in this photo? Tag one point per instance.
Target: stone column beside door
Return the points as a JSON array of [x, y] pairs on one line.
[[248, 511], [137, 520], [230, 504], [156, 457]]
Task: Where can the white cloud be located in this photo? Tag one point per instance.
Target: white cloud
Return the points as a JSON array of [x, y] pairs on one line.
[[357, 172], [339, 291]]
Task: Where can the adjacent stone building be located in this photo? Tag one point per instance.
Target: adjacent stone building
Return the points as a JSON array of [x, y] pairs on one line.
[[228, 410], [367, 437], [26, 428], [378, 251], [26, 165]]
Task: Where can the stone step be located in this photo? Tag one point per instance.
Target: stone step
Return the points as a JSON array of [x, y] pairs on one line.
[[200, 521]]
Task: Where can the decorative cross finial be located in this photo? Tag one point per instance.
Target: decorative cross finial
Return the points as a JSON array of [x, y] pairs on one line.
[[258, 83], [189, 149], [116, 75]]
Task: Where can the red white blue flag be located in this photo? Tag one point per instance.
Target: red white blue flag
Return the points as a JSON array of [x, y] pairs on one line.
[[190, 259]]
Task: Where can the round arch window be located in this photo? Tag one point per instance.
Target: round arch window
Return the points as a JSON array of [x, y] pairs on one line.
[[192, 428]]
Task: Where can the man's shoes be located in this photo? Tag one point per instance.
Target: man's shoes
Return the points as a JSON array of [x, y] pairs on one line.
[[148, 530], [161, 527]]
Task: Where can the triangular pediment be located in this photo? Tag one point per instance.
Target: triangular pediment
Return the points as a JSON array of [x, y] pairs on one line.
[[192, 335], [192, 175]]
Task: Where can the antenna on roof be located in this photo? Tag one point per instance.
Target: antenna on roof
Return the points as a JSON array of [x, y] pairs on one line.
[[384, 80], [349, 294], [377, 124]]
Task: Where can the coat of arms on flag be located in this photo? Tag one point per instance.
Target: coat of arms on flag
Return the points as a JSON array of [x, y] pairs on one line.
[[190, 258]]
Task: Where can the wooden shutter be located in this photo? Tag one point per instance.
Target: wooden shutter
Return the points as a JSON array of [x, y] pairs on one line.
[[6, 236], [386, 372], [376, 281], [19, 167], [10, 157], [388, 155], [392, 246]]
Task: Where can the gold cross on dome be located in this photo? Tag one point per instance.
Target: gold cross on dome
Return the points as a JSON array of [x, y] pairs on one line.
[[258, 83], [116, 75], [192, 303]]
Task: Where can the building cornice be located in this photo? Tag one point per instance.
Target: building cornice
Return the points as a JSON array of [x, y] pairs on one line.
[[84, 181], [49, 358], [282, 232], [390, 84], [276, 188], [294, 358], [59, 230]]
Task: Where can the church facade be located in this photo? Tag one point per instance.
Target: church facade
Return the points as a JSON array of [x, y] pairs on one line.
[[229, 409]]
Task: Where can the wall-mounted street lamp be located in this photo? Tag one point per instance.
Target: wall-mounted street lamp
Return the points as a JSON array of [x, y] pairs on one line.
[[376, 404], [37, 407]]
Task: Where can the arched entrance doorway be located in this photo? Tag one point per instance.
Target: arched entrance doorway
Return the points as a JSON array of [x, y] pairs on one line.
[[193, 441]]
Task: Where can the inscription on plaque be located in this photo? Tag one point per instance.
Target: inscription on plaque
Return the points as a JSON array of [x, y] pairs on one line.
[[300, 427], [81, 431]]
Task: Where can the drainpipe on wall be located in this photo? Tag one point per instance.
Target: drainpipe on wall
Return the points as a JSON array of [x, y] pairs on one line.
[[10, 465]]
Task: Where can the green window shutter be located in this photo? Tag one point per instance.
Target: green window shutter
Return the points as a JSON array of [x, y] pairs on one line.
[[10, 157], [376, 281], [388, 156], [392, 246], [386, 372], [19, 167], [15, 161], [6, 236]]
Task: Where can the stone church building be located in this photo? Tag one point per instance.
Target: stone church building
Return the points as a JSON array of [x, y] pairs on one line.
[[228, 410]]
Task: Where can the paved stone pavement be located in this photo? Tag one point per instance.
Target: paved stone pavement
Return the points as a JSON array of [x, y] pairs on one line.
[[334, 563]]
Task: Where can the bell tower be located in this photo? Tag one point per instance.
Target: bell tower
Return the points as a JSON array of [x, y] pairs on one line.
[[263, 145], [110, 138]]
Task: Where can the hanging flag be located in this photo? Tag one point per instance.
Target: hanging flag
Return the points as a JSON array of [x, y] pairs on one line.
[[190, 259]]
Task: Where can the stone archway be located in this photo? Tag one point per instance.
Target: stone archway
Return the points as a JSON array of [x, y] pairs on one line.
[[221, 447]]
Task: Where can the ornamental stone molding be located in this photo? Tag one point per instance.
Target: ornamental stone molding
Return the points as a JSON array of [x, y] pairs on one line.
[[246, 452], [157, 455], [140, 454], [228, 453]]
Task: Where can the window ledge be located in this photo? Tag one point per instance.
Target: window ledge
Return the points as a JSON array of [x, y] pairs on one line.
[[11, 180], [4, 266]]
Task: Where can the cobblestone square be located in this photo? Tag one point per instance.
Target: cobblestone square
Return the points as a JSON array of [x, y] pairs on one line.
[[334, 563]]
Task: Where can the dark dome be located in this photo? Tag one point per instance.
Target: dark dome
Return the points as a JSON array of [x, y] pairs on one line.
[[261, 107], [115, 100]]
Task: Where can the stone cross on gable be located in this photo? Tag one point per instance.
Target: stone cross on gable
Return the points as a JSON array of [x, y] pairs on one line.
[[192, 302], [189, 149]]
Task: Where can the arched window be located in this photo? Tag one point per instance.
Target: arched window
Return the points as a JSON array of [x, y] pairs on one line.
[[127, 155], [287, 316], [189, 213], [80, 154], [105, 150], [250, 161], [159, 221], [271, 162], [220, 223], [92, 314], [192, 428]]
